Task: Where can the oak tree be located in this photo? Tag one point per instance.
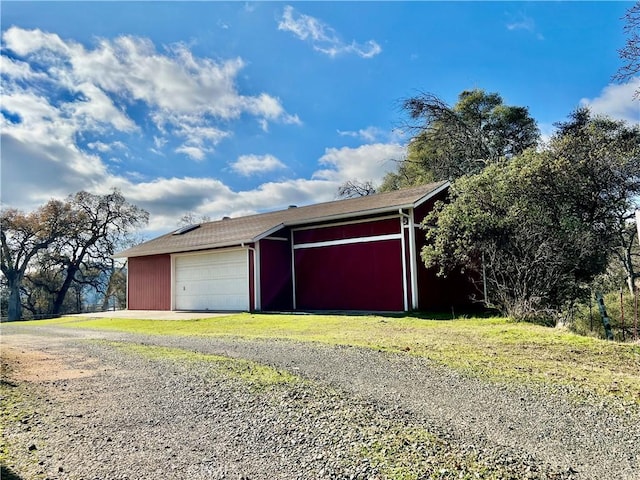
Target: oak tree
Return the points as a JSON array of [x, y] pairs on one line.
[[63, 246], [23, 235], [449, 142]]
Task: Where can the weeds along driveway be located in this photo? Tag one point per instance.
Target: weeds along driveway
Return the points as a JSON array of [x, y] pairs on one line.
[[110, 405]]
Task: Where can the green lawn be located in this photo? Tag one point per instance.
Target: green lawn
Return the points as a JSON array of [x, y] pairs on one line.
[[494, 348]]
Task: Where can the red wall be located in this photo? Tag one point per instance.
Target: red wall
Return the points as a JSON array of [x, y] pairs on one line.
[[440, 293], [149, 283], [276, 287], [361, 276]]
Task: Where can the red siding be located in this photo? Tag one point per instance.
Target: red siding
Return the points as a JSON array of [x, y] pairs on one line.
[[361, 276], [149, 283], [455, 291], [422, 211], [340, 232], [276, 286]]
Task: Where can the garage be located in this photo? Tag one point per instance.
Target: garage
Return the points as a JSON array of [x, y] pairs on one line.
[[212, 281], [358, 254]]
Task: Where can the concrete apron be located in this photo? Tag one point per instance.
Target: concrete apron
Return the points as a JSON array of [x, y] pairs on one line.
[[151, 314]]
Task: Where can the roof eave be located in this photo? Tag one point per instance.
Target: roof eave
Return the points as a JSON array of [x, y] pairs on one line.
[[342, 216], [184, 249], [266, 233], [373, 211], [432, 194]]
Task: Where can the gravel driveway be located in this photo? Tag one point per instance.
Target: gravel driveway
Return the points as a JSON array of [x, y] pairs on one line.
[[89, 409]]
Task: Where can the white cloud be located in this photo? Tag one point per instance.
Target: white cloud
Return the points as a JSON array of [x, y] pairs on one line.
[[194, 153], [270, 196], [305, 26], [369, 134], [42, 173], [526, 23], [547, 130], [106, 147], [63, 94], [16, 69], [35, 171], [248, 165], [24, 42], [96, 108], [367, 162], [187, 96], [322, 36], [617, 101]]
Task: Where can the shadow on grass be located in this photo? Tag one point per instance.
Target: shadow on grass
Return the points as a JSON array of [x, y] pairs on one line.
[[422, 315], [7, 474]]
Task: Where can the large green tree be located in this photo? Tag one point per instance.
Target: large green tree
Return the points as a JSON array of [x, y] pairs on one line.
[[23, 236], [539, 227], [449, 142], [607, 153], [101, 224], [63, 246]]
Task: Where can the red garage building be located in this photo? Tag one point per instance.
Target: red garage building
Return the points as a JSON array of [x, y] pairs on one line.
[[355, 254]]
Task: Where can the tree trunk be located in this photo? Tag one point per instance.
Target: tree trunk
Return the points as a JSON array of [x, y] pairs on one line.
[[109, 289], [62, 293], [14, 308]]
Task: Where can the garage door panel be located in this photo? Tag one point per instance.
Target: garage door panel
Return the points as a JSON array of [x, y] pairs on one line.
[[214, 281], [363, 276]]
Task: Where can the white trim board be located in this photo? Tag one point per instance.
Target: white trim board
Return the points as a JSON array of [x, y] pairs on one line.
[[347, 241]]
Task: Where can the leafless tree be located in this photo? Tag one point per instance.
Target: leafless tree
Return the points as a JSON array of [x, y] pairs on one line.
[[630, 53], [355, 188], [191, 218]]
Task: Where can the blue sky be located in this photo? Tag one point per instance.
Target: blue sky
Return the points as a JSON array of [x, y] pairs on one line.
[[234, 108]]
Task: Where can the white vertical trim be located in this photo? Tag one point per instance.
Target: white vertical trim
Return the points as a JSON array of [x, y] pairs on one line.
[[293, 273], [256, 277], [404, 264], [413, 261], [127, 300]]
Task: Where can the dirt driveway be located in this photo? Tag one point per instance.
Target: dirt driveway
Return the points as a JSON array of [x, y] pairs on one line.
[[85, 404]]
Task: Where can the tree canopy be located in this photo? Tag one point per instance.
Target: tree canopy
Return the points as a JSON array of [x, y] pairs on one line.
[[450, 142], [23, 235], [63, 244], [544, 223]]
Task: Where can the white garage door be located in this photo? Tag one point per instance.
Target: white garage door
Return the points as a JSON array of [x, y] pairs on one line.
[[213, 281]]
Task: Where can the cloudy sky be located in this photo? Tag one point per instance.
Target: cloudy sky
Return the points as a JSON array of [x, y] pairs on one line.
[[234, 108]]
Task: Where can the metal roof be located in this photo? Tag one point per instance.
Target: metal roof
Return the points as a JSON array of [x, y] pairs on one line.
[[249, 229]]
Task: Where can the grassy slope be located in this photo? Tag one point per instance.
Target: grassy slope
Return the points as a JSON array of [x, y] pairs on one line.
[[491, 348]]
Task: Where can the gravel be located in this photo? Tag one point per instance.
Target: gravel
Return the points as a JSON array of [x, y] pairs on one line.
[[354, 414]]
